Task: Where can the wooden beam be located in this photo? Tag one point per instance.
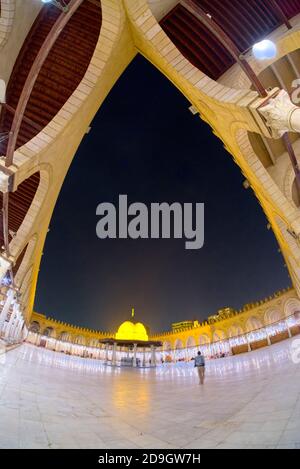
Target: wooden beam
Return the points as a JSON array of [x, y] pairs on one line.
[[39, 61], [96, 2], [25, 119], [280, 14], [226, 41]]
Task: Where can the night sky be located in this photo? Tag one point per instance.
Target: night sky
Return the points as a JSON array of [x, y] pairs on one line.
[[152, 148]]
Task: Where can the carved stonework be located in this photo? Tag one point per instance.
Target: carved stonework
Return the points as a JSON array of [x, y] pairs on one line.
[[281, 114]]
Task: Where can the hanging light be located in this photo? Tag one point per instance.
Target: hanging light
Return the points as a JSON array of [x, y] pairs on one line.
[[265, 49], [60, 4]]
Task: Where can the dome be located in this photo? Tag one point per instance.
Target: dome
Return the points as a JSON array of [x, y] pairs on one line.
[[132, 331]]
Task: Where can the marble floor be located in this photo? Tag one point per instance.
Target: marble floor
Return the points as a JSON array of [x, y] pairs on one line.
[[49, 400]]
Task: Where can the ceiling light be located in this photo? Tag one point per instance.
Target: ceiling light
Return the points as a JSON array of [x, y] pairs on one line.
[[265, 49], [58, 3]]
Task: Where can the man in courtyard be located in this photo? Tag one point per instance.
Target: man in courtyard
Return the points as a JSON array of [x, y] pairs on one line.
[[200, 365]]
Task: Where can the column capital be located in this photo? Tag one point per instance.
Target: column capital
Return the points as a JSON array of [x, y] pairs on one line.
[[281, 114]]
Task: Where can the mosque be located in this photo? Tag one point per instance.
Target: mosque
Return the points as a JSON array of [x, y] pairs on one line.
[[238, 65], [227, 333]]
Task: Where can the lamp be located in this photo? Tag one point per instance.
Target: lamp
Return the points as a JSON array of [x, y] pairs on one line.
[[60, 4], [265, 49]]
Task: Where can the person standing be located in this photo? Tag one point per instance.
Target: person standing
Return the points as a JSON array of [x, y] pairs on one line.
[[200, 365]]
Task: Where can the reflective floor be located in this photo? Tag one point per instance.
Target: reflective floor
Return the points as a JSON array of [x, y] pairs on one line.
[[49, 400]]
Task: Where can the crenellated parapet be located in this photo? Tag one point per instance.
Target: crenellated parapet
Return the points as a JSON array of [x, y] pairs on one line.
[[60, 330], [251, 317]]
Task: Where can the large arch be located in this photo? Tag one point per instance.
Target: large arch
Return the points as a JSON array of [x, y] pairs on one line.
[[191, 341], [24, 259], [25, 291], [167, 346], [235, 330], [49, 332], [292, 307], [219, 335], [94, 343], [253, 323], [163, 54], [272, 316], [35, 327], [79, 340], [64, 336], [204, 339], [19, 205], [178, 345]]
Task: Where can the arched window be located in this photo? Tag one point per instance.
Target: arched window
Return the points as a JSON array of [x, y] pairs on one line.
[[35, 327]]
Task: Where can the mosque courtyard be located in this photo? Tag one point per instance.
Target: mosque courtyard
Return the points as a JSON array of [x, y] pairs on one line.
[[51, 400]]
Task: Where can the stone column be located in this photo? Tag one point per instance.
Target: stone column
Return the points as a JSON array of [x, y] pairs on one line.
[[19, 325], [5, 265], [248, 343], [24, 330], [268, 337], [15, 330], [153, 356], [106, 353], [14, 326], [13, 318], [5, 309], [114, 356], [288, 329], [18, 334], [134, 355]]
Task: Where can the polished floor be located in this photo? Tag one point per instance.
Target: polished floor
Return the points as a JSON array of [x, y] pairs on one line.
[[49, 400]]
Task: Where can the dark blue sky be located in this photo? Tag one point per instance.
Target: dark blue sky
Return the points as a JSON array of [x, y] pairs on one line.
[[149, 146]]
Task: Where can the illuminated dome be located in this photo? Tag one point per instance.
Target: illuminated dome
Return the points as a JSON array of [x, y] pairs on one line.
[[132, 331]]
